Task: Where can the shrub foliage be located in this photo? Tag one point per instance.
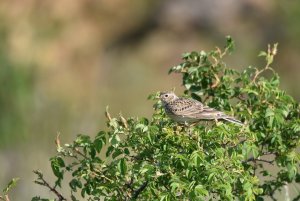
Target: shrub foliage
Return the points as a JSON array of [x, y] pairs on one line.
[[158, 159]]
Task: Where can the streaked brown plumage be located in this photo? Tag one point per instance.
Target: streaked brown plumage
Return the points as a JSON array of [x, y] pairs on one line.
[[185, 110]]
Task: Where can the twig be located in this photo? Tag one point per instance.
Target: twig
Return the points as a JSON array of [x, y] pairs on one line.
[[261, 160], [80, 153], [270, 55], [138, 158], [107, 114], [139, 190], [240, 142], [217, 81], [124, 121], [4, 199], [205, 99], [43, 182], [273, 198], [129, 184]]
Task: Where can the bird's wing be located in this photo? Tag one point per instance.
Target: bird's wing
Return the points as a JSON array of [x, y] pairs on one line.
[[194, 109], [210, 113], [187, 107]]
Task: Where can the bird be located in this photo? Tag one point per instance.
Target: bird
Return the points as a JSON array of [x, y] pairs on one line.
[[187, 110]]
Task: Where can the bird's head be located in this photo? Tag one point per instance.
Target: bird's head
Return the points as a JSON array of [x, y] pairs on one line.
[[167, 97]]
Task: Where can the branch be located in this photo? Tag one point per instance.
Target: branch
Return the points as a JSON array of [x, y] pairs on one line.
[[80, 153], [138, 158], [129, 184], [6, 198], [139, 190], [205, 99], [43, 182], [272, 51], [240, 142], [261, 160], [217, 81]]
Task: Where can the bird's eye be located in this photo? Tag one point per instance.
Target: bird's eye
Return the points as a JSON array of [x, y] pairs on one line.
[[166, 95]]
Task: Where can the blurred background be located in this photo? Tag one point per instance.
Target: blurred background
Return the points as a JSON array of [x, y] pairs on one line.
[[62, 63]]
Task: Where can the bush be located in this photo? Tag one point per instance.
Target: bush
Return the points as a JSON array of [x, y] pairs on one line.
[[158, 159]]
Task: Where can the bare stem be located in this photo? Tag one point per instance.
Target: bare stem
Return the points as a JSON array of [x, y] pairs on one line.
[[6, 198], [252, 159], [139, 190], [41, 181]]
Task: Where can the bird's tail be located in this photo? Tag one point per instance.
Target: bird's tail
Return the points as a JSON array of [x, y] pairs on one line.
[[233, 120]]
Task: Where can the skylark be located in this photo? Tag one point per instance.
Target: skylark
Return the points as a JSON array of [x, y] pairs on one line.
[[185, 110]]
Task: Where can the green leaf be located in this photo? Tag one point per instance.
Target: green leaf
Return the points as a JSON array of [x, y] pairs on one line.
[[150, 138], [100, 140], [92, 152], [74, 184], [115, 140], [186, 55], [142, 127], [262, 54], [117, 152], [56, 164], [196, 158], [200, 190], [126, 151], [192, 69], [73, 198], [114, 123], [174, 186], [122, 167], [10, 185], [270, 113], [165, 197], [229, 44], [83, 140], [146, 169], [110, 149]]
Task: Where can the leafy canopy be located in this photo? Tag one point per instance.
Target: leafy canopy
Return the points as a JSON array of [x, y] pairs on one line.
[[157, 159]]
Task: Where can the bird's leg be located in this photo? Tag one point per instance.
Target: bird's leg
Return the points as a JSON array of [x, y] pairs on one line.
[[193, 124], [186, 125], [189, 128], [177, 129], [216, 120], [206, 123]]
